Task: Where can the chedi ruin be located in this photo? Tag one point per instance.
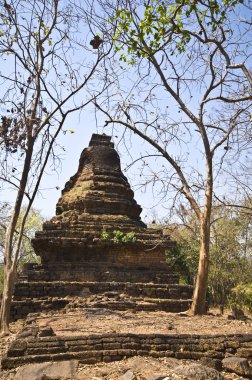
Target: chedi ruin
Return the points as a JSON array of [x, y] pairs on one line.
[[96, 251]]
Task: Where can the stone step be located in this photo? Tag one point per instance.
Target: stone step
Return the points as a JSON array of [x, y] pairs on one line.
[[85, 221], [86, 272], [142, 304], [90, 349], [90, 225], [93, 236], [65, 241], [22, 307], [22, 277], [94, 229], [34, 289]]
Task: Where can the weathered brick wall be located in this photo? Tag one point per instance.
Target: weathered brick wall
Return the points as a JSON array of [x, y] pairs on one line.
[[20, 309], [63, 289], [29, 347], [100, 272]]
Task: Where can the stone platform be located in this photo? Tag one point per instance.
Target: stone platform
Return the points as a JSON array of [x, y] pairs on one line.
[[39, 296], [37, 343]]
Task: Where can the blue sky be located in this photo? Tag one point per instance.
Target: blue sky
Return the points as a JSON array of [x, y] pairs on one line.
[[84, 124]]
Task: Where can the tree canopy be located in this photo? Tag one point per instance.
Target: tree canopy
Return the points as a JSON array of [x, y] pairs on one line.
[[188, 96]]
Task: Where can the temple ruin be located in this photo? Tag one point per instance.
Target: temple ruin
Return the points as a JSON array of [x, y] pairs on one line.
[[96, 250], [100, 262]]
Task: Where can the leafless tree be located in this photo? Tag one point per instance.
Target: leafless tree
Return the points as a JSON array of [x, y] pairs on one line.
[[47, 72], [185, 88]]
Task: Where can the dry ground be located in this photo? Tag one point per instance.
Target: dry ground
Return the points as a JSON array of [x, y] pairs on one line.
[[97, 321]]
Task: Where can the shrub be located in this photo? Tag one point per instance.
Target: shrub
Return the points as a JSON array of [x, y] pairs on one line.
[[118, 236], [242, 296]]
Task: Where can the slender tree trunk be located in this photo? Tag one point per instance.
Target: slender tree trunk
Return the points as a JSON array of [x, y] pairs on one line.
[[11, 254], [9, 284], [199, 296]]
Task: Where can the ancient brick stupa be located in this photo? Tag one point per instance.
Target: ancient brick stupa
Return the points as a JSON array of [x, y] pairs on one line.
[[97, 244]]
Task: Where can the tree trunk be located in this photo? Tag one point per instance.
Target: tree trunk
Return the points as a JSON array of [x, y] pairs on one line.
[[200, 291], [11, 255], [9, 284]]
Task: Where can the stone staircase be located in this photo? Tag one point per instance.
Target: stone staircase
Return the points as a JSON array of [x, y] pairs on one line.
[[37, 296]]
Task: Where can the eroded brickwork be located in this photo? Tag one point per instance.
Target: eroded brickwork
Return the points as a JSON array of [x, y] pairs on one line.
[[34, 344], [79, 248]]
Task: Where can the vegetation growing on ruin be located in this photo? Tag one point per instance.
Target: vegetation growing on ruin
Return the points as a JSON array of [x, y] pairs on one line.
[[118, 237]]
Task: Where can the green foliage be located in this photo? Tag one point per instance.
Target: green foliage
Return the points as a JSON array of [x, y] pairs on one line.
[[104, 235], [161, 24], [230, 262], [119, 237], [242, 296], [184, 257], [33, 224]]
